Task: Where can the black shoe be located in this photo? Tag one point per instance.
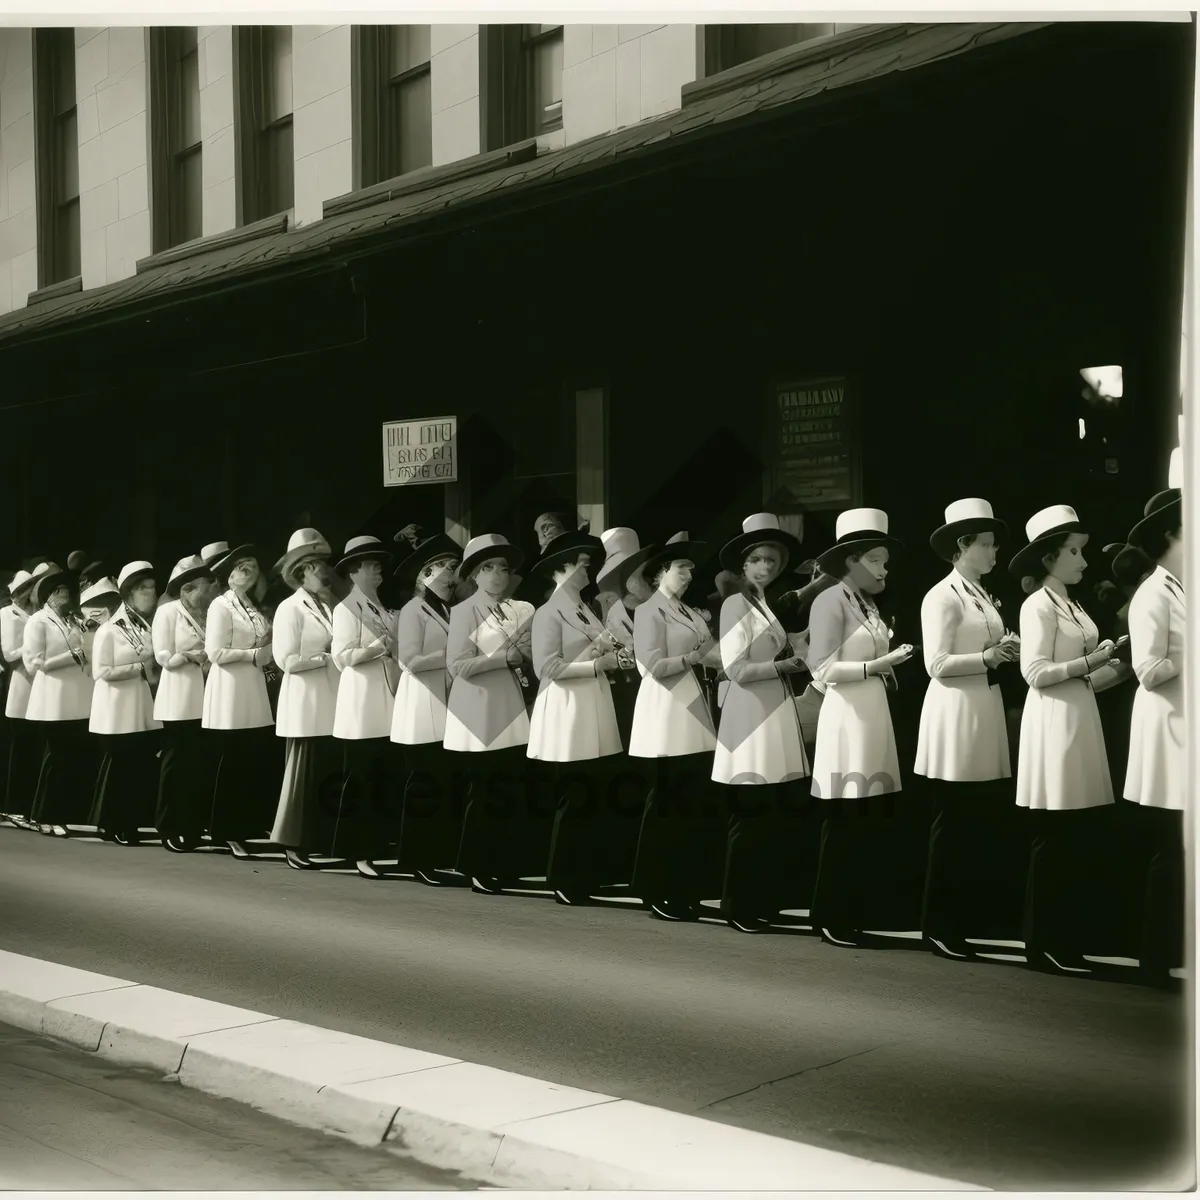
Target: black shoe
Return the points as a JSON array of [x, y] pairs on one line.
[[177, 843], [952, 948], [368, 870], [749, 924], [486, 885], [1058, 963], [299, 861], [570, 897], [840, 937], [125, 838], [238, 850], [674, 910]]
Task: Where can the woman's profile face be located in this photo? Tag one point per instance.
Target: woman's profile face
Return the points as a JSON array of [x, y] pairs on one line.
[[1069, 564], [144, 596], [439, 572], [198, 592], [980, 555], [868, 572], [59, 598], [678, 577], [639, 587], [244, 574], [492, 576], [574, 572], [368, 573], [762, 565], [316, 576]]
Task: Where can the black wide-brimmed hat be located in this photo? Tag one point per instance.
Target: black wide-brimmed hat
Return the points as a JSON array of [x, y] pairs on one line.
[[1041, 529], [564, 548], [858, 530], [678, 546], [963, 518], [758, 529], [1127, 564], [1164, 510], [223, 565], [47, 577], [440, 545], [358, 549]]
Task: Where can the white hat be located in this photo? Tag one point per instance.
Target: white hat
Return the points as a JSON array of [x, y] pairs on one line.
[[965, 517], [358, 548], [620, 543], [184, 571], [858, 529], [756, 528], [214, 551], [1040, 528], [20, 580], [303, 545], [130, 570], [102, 587], [489, 545]]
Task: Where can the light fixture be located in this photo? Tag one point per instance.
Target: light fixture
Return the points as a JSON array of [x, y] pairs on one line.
[[1104, 383], [1082, 429]]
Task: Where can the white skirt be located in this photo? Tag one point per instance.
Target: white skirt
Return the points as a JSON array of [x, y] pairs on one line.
[[470, 696], [963, 735], [573, 721], [856, 745], [759, 741], [364, 703], [1061, 761], [671, 718], [419, 715], [1157, 772], [17, 702], [235, 697]]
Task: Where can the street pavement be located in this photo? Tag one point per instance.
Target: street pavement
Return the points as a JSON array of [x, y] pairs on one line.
[[73, 1121], [989, 1074]]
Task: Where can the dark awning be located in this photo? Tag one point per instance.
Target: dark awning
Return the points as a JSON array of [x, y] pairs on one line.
[[420, 204]]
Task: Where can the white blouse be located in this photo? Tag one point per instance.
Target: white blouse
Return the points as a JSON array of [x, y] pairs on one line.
[[175, 634], [12, 635], [237, 640]]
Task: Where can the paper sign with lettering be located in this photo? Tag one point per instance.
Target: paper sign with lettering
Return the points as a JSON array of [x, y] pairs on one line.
[[811, 444], [421, 451]]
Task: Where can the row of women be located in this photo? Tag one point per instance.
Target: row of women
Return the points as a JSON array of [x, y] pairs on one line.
[[626, 745]]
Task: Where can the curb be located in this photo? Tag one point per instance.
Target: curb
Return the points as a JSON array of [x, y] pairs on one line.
[[496, 1127]]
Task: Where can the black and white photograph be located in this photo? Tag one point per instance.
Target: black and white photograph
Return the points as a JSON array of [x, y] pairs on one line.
[[597, 606]]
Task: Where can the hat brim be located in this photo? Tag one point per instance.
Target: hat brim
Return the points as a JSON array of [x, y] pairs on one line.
[[441, 545], [512, 555], [944, 540], [1027, 559], [733, 553], [384, 557], [1129, 565], [175, 586], [224, 565], [294, 559], [834, 558], [669, 552], [580, 543], [22, 588], [1169, 515], [134, 579], [48, 584]]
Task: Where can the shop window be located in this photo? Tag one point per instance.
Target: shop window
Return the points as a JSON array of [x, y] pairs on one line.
[[727, 46], [394, 134], [521, 82], [57, 158], [264, 72], [1105, 385], [177, 187]]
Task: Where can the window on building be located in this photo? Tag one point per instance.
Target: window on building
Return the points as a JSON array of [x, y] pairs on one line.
[[57, 159], [177, 187], [394, 110], [264, 68], [728, 46], [521, 82]]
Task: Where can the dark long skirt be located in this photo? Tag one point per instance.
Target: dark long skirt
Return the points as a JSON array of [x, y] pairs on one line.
[[978, 855], [186, 778], [508, 817], [246, 788], [1069, 862], [25, 750], [682, 837], [1163, 893], [368, 818], [67, 774], [126, 789], [598, 810], [433, 807], [310, 795], [872, 864], [771, 847]]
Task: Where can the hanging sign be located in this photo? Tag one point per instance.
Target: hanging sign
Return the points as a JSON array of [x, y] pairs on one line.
[[811, 445], [421, 451]]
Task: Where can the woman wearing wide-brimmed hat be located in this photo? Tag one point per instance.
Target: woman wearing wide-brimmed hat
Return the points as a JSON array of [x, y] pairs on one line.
[[306, 817], [574, 722], [122, 716], [1157, 777], [186, 775], [24, 752], [856, 772], [364, 641], [60, 700], [760, 753], [236, 715], [488, 655], [1062, 764], [429, 827], [681, 844], [973, 872], [622, 586]]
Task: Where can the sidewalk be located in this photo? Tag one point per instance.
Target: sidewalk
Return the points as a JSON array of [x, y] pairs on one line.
[[496, 1126]]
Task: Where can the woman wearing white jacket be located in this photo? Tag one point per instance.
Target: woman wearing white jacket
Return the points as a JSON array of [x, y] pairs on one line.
[[122, 715], [302, 647], [237, 710], [24, 752], [364, 639], [60, 700], [186, 774], [973, 870]]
